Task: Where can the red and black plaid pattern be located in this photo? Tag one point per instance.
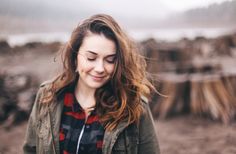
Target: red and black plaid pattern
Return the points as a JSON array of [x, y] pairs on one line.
[[72, 123]]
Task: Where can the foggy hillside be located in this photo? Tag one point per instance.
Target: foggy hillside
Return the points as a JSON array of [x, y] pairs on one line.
[[215, 15]]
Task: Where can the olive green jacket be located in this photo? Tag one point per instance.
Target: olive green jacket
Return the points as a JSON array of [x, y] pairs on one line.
[[42, 135]]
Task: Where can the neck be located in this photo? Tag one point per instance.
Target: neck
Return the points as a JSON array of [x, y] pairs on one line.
[[85, 95]]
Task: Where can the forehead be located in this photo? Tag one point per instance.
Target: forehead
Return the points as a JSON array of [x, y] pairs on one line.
[[98, 44]]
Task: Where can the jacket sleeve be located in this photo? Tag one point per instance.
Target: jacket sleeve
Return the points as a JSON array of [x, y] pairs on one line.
[[148, 142], [29, 145]]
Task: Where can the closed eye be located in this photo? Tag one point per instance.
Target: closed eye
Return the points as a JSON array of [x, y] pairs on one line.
[[91, 59], [91, 56], [111, 59]]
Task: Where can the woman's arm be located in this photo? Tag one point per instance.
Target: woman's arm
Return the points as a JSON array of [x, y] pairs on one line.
[[148, 142], [29, 145]]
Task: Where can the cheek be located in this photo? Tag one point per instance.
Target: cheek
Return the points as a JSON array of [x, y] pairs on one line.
[[110, 69], [82, 65]]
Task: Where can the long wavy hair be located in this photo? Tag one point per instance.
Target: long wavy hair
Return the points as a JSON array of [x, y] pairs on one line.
[[120, 98]]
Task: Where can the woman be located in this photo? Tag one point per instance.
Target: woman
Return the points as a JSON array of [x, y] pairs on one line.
[[98, 104]]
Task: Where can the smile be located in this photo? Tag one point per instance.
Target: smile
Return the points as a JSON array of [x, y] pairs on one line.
[[97, 78]]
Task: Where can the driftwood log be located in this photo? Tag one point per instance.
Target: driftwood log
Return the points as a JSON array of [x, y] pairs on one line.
[[201, 87], [211, 96]]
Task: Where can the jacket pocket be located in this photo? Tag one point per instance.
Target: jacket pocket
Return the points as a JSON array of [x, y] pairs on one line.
[[120, 145], [126, 143]]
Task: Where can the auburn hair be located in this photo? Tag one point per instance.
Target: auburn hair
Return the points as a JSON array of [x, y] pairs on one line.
[[120, 98]]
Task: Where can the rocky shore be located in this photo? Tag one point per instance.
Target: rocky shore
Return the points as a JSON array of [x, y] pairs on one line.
[[23, 69]]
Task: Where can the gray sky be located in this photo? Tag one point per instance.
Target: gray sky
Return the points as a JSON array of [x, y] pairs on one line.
[[118, 8], [66, 14], [182, 5], [128, 8], [142, 8]]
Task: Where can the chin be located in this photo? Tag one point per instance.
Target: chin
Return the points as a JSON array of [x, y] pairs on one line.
[[96, 85]]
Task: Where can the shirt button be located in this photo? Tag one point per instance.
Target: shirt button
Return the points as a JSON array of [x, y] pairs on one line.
[[87, 126]]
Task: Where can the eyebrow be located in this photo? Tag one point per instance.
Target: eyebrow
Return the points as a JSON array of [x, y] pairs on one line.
[[97, 54]]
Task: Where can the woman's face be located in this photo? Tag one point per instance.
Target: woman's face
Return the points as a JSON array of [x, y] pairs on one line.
[[96, 60]]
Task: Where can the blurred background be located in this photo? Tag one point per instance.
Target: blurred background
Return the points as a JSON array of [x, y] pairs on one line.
[[190, 47]]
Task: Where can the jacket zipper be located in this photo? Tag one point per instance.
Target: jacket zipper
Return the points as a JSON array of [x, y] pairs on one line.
[[80, 135]]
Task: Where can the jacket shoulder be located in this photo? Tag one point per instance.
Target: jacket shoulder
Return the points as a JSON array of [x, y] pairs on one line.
[[45, 91], [46, 83], [144, 99], [145, 108]]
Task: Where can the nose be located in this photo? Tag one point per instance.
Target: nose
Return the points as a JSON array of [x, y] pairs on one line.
[[99, 67]]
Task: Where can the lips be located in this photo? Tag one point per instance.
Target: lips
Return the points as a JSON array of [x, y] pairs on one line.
[[97, 78]]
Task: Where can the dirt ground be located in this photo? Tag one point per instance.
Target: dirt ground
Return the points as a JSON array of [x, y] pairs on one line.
[[179, 135], [191, 135]]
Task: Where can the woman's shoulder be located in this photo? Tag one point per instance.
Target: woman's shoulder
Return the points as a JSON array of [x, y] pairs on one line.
[[45, 90], [51, 85], [53, 88], [46, 84], [145, 107]]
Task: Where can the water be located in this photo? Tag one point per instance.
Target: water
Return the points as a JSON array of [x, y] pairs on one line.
[[140, 34], [21, 39], [176, 34]]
